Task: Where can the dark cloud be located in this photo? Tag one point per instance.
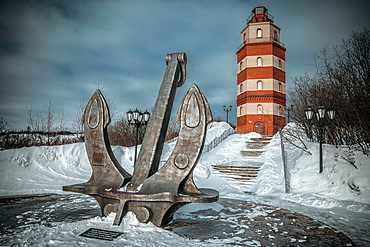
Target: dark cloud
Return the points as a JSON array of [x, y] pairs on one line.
[[63, 50]]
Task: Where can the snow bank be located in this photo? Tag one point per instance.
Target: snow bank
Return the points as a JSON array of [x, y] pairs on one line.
[[46, 169], [270, 179], [340, 180]]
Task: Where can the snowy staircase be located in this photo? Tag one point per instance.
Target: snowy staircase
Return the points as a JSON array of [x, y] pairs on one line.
[[244, 172], [243, 175]]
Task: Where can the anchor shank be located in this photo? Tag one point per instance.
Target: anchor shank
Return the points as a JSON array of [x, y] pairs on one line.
[[152, 146]]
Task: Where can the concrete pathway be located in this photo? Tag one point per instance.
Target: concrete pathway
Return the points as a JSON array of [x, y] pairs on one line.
[[242, 223]]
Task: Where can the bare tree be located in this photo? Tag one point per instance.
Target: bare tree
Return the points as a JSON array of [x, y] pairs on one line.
[[77, 124], [4, 126], [342, 82], [172, 130], [217, 119], [110, 101], [49, 117], [48, 120], [34, 119], [62, 122], [123, 134]]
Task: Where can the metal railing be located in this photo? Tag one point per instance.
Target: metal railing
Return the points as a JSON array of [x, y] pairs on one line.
[[218, 140], [253, 15], [250, 18], [255, 40]]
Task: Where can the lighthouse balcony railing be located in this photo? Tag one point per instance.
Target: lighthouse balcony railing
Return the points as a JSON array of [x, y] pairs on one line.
[[256, 40], [266, 14]]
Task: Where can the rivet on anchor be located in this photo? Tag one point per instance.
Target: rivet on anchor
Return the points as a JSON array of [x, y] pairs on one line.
[[182, 161]]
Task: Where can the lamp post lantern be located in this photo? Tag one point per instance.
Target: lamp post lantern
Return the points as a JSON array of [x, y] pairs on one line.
[[227, 112], [320, 122], [137, 119]]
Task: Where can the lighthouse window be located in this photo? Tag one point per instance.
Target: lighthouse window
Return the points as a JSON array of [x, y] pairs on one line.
[[275, 36], [279, 87], [241, 87], [279, 64], [259, 85], [259, 61], [240, 110], [259, 109], [280, 112], [259, 33], [241, 64], [259, 11]]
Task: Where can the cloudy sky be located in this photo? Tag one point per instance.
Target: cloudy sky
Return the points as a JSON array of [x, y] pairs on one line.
[[63, 50]]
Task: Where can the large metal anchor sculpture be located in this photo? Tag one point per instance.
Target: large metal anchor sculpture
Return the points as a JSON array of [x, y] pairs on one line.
[[151, 194]]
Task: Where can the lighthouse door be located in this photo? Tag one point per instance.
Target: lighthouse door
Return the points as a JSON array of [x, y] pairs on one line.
[[260, 128]]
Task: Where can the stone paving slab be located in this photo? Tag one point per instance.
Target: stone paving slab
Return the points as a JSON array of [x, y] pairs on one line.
[[253, 224]]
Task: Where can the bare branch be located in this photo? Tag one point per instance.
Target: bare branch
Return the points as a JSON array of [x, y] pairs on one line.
[[296, 137], [349, 160]]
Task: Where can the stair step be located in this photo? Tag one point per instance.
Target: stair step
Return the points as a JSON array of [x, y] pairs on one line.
[[251, 153], [235, 167], [246, 175], [258, 142], [240, 175], [262, 139], [244, 178], [239, 172], [256, 145], [242, 182]]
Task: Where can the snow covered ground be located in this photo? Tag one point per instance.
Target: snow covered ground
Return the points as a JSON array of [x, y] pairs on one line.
[[340, 196]]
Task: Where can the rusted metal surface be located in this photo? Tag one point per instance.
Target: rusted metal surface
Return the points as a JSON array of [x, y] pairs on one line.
[[107, 172], [152, 195], [152, 146], [193, 117]]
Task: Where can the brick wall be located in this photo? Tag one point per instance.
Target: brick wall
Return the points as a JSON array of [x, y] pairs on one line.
[[247, 123], [261, 48]]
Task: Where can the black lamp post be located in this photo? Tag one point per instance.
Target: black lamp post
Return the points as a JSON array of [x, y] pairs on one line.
[[320, 122], [138, 119], [227, 112]]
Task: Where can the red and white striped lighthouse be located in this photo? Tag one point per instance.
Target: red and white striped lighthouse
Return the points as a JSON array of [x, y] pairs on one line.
[[261, 95]]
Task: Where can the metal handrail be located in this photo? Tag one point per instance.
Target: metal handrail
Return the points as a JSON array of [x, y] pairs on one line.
[[218, 140], [261, 40], [250, 18], [269, 16]]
